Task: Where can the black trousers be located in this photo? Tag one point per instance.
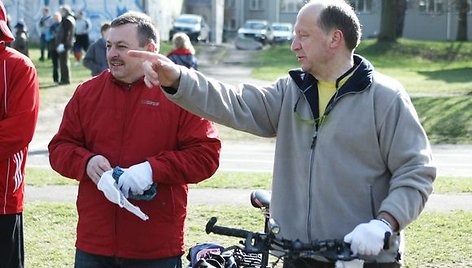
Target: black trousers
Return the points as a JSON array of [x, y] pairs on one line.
[[311, 263], [64, 65], [12, 253]]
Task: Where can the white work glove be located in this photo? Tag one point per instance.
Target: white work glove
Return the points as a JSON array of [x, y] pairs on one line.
[[108, 186], [60, 48], [137, 179], [368, 238], [356, 263]]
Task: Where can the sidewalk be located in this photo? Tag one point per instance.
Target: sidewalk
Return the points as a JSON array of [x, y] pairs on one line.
[[56, 193]]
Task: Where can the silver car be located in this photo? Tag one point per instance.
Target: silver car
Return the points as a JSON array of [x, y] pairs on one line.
[[193, 25], [258, 30], [283, 32]]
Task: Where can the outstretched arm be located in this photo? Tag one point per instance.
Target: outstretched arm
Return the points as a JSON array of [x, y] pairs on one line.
[[158, 69]]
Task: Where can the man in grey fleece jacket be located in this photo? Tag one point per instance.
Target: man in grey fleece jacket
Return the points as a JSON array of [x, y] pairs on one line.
[[352, 160]]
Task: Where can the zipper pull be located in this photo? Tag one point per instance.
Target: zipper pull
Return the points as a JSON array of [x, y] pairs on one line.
[[313, 141]]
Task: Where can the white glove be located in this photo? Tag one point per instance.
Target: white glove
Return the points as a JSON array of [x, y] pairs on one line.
[[137, 179], [368, 238], [356, 263], [60, 48], [108, 186]]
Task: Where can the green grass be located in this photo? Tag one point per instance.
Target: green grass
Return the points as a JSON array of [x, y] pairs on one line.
[[38, 177], [434, 240], [446, 119], [423, 67]]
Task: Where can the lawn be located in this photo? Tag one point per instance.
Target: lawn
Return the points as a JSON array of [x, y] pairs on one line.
[[434, 240], [423, 67]]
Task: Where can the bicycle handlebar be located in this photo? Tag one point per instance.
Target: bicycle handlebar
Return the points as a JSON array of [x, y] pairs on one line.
[[255, 242]]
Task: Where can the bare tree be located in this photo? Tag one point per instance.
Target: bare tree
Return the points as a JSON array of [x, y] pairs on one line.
[[462, 8]]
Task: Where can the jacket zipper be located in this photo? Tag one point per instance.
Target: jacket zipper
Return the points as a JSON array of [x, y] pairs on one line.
[[115, 246], [312, 159]]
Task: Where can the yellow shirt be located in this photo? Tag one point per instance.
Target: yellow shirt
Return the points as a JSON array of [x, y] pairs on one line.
[[326, 91]]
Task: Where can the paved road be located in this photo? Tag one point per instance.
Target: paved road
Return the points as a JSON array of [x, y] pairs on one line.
[[57, 193]]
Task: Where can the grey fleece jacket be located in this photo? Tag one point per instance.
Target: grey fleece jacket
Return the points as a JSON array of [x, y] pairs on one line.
[[369, 154]]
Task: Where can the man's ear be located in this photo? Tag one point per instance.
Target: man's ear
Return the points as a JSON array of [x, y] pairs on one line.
[[152, 47], [337, 38]]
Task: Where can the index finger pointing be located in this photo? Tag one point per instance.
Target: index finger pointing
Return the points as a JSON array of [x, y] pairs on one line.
[[145, 55]]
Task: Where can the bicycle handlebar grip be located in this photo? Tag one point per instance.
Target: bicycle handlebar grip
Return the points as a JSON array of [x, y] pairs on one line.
[[211, 227]]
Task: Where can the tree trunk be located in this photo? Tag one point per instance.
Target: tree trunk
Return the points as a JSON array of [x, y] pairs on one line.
[[401, 9], [388, 21], [462, 8]]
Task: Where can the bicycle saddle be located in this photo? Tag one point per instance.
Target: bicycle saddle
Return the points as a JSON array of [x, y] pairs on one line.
[[260, 199]]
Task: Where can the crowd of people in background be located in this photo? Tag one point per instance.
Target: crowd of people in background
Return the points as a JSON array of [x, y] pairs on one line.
[[63, 31]]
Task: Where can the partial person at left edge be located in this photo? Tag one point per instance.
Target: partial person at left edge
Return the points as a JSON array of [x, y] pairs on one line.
[[19, 104]]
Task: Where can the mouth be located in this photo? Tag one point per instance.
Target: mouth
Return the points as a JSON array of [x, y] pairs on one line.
[[116, 63], [300, 58]]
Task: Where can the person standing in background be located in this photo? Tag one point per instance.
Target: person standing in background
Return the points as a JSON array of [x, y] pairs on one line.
[[51, 37], [43, 27], [183, 52], [19, 95], [82, 29], [21, 38], [65, 40], [96, 58]]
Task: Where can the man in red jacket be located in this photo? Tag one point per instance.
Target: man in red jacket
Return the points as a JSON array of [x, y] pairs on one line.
[[19, 103], [114, 120]]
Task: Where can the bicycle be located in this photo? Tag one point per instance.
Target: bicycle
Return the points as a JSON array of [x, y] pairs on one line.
[[256, 247]]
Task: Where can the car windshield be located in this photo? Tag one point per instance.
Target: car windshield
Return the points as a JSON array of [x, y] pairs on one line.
[[187, 20], [281, 28], [254, 25]]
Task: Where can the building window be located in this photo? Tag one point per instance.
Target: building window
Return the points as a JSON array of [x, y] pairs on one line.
[[432, 6], [255, 4], [362, 6], [229, 4], [291, 5]]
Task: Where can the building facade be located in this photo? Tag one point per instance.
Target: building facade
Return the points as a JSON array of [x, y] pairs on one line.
[[424, 19]]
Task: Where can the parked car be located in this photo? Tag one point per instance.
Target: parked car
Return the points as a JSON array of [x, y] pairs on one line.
[[258, 30], [283, 32], [193, 25]]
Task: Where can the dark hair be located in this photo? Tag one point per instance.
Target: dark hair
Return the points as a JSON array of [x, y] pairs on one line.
[[340, 15], [105, 26], [146, 31]]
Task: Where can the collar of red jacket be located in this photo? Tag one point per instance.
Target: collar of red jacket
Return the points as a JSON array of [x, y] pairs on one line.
[[180, 51]]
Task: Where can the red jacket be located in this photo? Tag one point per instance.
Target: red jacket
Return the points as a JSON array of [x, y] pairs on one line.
[[129, 124], [19, 104]]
